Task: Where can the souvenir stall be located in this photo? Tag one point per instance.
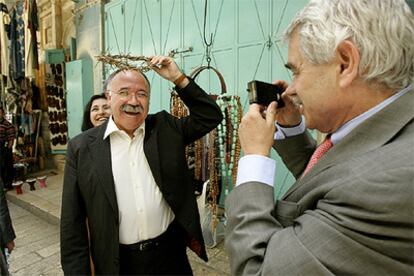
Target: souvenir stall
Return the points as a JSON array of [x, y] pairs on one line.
[[20, 95], [56, 99], [213, 159]]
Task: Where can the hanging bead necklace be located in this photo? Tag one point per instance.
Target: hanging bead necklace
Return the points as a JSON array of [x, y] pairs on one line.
[[227, 142], [177, 106], [222, 149]]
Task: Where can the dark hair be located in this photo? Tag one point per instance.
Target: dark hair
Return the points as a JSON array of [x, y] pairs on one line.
[[86, 123]]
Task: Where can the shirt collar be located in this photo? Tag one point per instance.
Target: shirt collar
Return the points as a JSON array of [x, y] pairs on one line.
[[113, 128], [338, 135]]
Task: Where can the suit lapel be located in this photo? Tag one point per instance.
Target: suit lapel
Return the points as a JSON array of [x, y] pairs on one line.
[[151, 151], [369, 135], [101, 155]]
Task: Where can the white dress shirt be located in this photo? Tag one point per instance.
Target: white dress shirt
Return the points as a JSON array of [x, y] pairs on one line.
[[143, 212], [262, 169]]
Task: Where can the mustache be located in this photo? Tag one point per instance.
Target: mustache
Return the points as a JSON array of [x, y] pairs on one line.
[[132, 108]]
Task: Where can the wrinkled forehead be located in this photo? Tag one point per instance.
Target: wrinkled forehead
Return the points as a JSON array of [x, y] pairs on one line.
[[125, 78]]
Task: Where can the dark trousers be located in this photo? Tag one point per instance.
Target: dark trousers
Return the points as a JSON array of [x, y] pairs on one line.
[[164, 255], [4, 270], [6, 161]]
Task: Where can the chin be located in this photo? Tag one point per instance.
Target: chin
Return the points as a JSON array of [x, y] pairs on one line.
[[309, 124], [133, 126]]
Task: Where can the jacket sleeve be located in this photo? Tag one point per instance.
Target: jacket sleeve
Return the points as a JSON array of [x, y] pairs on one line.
[[6, 228], [335, 229], [295, 152], [204, 116], [74, 242], [257, 242]]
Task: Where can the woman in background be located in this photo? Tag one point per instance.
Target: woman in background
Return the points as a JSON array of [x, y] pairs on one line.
[[97, 111]]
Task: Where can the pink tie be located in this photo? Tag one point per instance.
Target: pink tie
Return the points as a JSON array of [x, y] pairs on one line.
[[319, 152]]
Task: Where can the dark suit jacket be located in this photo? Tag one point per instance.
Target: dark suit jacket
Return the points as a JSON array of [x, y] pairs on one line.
[[352, 214], [89, 190], [6, 228]]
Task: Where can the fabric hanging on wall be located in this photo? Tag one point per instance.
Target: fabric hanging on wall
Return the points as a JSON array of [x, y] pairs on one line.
[[4, 41], [34, 27], [31, 26], [17, 42], [13, 41]]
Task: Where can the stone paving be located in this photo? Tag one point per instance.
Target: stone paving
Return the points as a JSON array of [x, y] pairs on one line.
[[36, 215], [36, 246]]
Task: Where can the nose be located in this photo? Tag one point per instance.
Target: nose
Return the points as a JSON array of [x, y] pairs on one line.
[[133, 99], [290, 90], [102, 110]]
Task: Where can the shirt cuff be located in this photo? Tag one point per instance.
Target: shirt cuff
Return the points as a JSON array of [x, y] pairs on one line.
[[256, 168], [284, 132]]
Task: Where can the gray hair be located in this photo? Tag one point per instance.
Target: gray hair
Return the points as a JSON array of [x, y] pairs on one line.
[[382, 30], [116, 72]]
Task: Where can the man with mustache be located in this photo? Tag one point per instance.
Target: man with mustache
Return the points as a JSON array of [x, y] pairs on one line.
[[350, 211], [128, 180]]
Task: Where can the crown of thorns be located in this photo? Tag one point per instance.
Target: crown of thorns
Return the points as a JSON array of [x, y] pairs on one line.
[[126, 62]]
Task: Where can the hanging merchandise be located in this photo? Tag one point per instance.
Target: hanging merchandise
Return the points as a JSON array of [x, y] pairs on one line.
[[28, 133], [31, 27], [212, 160], [22, 109], [228, 143], [56, 99], [4, 41], [17, 64], [20, 97]]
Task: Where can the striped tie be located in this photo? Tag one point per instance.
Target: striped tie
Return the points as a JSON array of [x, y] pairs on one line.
[[319, 152]]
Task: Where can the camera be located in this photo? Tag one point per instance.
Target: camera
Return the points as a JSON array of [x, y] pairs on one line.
[[264, 93]]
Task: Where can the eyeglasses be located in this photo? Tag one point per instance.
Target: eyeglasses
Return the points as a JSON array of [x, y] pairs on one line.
[[126, 94]]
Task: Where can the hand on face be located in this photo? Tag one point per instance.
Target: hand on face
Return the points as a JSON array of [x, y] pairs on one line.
[[256, 132], [165, 67], [289, 115]]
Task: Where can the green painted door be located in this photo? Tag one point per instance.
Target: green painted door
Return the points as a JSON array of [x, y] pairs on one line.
[[245, 44], [79, 89]]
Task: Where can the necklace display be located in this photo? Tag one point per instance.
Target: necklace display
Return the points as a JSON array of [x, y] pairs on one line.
[[177, 107], [228, 143], [215, 156], [179, 110]]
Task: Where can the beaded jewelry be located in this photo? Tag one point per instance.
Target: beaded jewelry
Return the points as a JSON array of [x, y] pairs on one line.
[[177, 107], [213, 190], [228, 142], [215, 156], [179, 110]]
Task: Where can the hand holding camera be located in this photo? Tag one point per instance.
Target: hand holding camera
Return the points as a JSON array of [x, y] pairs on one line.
[[256, 132], [257, 128], [262, 93]]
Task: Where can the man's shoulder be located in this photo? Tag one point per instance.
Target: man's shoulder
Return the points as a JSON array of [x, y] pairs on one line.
[[158, 117], [91, 133]]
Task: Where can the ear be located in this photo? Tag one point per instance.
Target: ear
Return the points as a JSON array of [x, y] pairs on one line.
[[349, 59]]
